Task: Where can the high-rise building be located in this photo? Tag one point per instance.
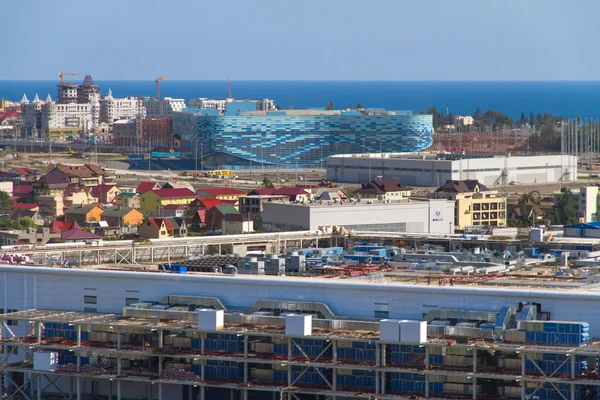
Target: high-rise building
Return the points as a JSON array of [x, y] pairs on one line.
[[113, 109], [162, 108], [87, 91]]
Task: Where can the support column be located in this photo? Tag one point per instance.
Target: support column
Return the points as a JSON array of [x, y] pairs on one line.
[[572, 376], [202, 342], [202, 393], [38, 334], [39, 386], [245, 363], [427, 369], [231, 393], [160, 391], [377, 354], [523, 359], [289, 343], [78, 335], [376, 382], [70, 388], [119, 340], [78, 384], [160, 365], [474, 388], [160, 338], [119, 389], [334, 345], [110, 392]]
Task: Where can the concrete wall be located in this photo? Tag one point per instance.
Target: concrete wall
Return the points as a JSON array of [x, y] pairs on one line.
[[431, 216], [52, 288], [431, 172]]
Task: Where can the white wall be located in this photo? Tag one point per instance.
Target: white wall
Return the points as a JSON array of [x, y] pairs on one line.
[[431, 172]]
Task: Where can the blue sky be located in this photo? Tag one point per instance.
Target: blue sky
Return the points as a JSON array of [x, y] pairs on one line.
[[302, 39]]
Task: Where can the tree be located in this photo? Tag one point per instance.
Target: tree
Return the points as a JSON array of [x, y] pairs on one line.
[[437, 117], [329, 105], [4, 202], [267, 183], [496, 119], [522, 119], [478, 115], [564, 209], [531, 120]]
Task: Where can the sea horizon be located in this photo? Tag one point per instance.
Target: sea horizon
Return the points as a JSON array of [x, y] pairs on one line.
[[573, 98]]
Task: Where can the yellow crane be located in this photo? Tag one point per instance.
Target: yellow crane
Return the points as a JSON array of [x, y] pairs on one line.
[[62, 75], [158, 81]]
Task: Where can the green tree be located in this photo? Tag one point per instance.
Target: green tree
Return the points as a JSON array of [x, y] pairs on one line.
[[4, 202], [564, 209], [437, 116], [267, 183], [496, 119], [478, 115], [329, 105], [531, 119]]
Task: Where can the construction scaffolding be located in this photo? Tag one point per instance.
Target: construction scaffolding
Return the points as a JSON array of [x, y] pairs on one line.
[[160, 354]]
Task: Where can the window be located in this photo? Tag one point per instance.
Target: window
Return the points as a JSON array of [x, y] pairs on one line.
[[493, 206], [131, 300], [476, 216], [10, 322], [90, 300], [381, 310], [493, 215], [484, 215], [476, 206]]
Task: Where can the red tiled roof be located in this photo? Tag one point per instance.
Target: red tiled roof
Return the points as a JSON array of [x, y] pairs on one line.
[[158, 222], [263, 191], [174, 193], [24, 206], [61, 226], [291, 191], [208, 202], [220, 191], [75, 233], [146, 186], [24, 171], [23, 190], [99, 189]]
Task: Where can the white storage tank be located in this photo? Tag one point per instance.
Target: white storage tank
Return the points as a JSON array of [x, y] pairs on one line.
[[537, 234], [298, 324], [389, 330], [210, 320], [413, 332], [45, 361]]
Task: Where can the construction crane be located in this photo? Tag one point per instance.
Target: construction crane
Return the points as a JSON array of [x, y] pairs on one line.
[[229, 96], [62, 75], [158, 80]]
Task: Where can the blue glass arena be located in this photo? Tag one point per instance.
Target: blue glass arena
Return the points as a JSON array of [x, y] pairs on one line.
[[297, 138]]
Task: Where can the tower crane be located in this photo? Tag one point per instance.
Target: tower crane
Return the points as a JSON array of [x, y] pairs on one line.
[[62, 75], [158, 81], [229, 96]]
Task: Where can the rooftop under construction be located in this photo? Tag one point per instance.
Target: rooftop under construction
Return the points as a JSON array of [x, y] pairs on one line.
[[190, 347]]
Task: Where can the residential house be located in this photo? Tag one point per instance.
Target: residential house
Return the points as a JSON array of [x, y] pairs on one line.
[[294, 194], [21, 210], [221, 193], [105, 193], [61, 226], [53, 184], [7, 187], [76, 194], [145, 186], [8, 177], [178, 185], [262, 192], [88, 175], [253, 204], [475, 203], [384, 189], [153, 201], [78, 235], [587, 202], [235, 224], [51, 205], [173, 210], [24, 174], [128, 199], [214, 216], [23, 192], [122, 216], [84, 213], [162, 228], [528, 211], [198, 208]]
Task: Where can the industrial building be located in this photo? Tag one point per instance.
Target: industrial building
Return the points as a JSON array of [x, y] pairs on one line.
[[407, 215], [430, 169], [242, 136], [171, 335]]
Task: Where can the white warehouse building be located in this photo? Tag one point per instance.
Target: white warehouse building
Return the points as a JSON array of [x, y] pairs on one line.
[[405, 215], [430, 169]]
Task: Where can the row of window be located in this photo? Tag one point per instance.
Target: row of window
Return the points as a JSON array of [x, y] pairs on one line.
[[490, 215], [488, 206]]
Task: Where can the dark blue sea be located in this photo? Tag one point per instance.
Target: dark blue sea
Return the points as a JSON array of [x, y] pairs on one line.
[[566, 99]]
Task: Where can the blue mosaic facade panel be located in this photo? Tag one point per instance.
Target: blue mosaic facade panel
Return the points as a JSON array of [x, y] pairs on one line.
[[307, 139]]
